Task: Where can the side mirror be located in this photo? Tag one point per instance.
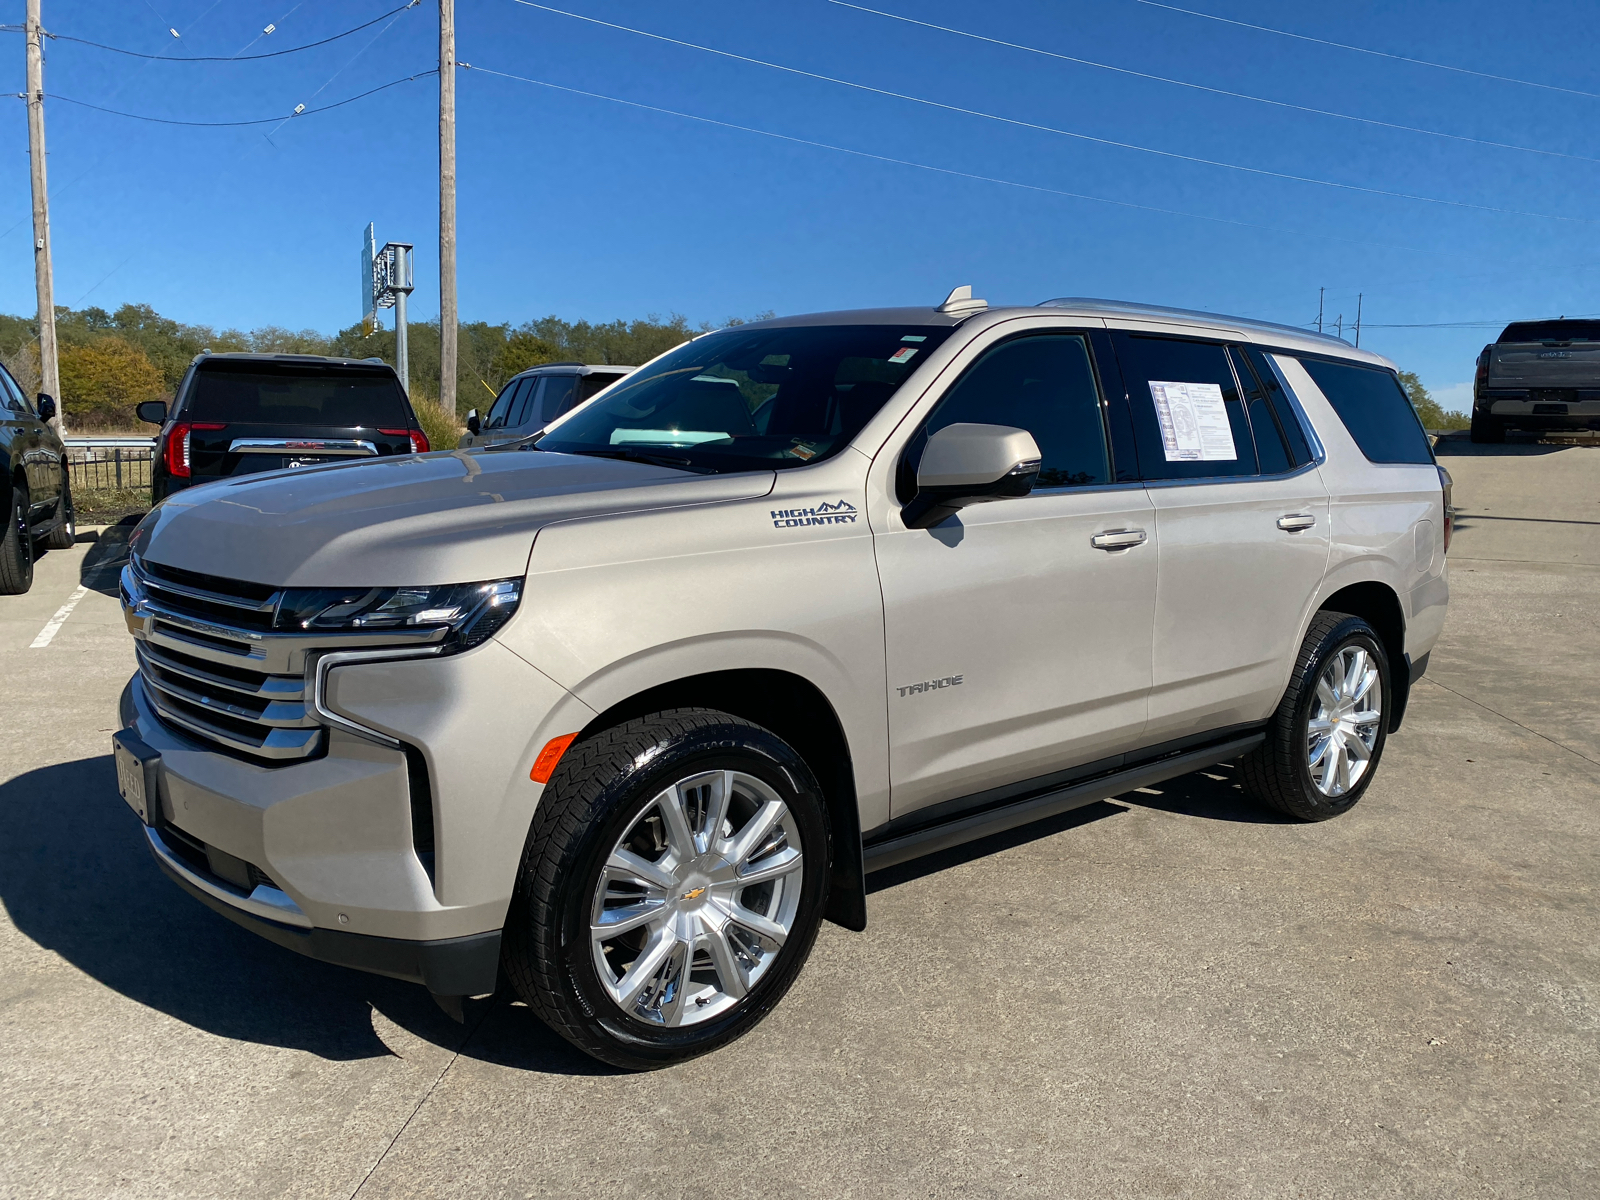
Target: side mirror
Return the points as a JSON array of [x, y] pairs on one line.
[[47, 406], [153, 411], [968, 464], [473, 424]]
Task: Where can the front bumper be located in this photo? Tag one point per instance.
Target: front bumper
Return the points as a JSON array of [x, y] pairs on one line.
[[462, 966]]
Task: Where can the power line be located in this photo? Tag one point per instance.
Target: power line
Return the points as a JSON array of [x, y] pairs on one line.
[[904, 162], [1421, 62], [1083, 137], [1215, 91], [62, 37], [300, 112]]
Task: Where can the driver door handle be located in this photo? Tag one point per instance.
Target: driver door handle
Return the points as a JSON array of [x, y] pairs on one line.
[[1294, 522], [1118, 539]]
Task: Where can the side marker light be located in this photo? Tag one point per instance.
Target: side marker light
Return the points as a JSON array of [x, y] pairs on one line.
[[545, 765]]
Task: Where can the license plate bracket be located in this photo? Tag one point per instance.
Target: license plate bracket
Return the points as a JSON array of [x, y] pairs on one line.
[[138, 775]]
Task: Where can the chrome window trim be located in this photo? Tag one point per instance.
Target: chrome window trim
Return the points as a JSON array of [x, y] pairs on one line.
[[1318, 454]]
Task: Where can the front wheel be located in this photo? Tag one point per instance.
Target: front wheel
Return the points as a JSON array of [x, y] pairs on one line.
[[671, 888], [16, 547], [1324, 741]]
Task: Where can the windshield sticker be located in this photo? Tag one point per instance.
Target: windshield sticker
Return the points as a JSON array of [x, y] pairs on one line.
[[841, 512], [903, 355], [1194, 422], [912, 338], [804, 451]]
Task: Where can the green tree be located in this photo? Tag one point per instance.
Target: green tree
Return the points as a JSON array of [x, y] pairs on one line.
[[1432, 413], [520, 351], [102, 380]]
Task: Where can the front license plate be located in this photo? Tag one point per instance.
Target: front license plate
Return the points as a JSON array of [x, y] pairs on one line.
[[136, 775]]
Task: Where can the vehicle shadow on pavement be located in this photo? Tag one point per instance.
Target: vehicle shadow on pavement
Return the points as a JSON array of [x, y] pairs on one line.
[[77, 879], [101, 569], [1213, 794]]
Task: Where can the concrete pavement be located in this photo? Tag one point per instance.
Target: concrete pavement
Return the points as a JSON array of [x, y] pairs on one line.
[[1169, 994]]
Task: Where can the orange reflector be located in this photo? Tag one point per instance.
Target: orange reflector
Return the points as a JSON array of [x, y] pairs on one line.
[[545, 765]]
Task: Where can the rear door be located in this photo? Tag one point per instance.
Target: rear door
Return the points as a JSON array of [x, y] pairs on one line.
[[25, 435], [556, 392], [1242, 519]]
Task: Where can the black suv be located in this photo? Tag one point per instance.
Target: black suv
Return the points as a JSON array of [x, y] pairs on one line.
[[235, 414], [41, 494]]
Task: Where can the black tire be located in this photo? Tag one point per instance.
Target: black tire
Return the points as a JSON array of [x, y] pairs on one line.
[[16, 548], [1486, 430], [65, 534], [602, 789], [1278, 773]]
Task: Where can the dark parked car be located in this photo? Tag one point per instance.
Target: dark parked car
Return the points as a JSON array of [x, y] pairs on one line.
[[41, 494], [1538, 375], [235, 414], [535, 398]]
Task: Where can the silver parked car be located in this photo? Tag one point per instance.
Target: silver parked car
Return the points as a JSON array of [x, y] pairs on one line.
[[628, 709], [535, 397]]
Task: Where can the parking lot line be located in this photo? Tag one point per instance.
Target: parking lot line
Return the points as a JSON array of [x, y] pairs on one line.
[[55, 622]]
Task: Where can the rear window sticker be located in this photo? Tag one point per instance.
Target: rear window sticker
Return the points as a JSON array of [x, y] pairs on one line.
[[1194, 422]]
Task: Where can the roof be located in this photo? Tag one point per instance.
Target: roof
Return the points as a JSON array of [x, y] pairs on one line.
[[320, 359], [577, 368]]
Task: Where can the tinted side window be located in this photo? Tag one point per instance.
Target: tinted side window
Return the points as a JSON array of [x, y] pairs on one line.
[[12, 393], [1188, 416], [1288, 419], [556, 398], [502, 405], [1044, 384], [1374, 408], [588, 386], [1271, 448], [526, 406]]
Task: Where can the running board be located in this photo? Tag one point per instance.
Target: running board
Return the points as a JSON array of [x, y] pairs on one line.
[[972, 826]]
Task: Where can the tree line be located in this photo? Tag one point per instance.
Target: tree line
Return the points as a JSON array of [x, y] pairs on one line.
[[111, 361]]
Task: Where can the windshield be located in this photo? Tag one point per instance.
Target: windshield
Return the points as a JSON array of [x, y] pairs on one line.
[[1552, 331], [311, 394], [751, 399]]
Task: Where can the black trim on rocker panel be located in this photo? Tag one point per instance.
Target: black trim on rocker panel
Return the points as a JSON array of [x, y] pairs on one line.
[[967, 818]]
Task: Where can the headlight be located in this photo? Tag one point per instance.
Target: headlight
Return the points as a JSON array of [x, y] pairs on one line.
[[472, 610]]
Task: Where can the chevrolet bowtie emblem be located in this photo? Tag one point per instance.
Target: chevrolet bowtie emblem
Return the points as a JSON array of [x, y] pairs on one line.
[[694, 895]]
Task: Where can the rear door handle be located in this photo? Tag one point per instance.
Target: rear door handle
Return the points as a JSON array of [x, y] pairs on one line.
[[1118, 539], [1294, 522]]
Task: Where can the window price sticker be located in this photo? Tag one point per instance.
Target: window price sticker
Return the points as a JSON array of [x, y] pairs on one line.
[[1194, 422]]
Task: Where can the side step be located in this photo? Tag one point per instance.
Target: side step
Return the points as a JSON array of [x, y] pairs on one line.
[[972, 826]]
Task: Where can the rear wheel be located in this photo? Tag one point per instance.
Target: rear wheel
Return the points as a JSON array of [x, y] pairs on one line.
[[671, 889], [1324, 742], [16, 548], [1487, 429]]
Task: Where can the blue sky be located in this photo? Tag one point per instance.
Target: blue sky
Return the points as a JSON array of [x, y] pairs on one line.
[[589, 208]]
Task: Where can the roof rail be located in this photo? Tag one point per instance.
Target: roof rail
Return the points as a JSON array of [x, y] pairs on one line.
[[1128, 308]]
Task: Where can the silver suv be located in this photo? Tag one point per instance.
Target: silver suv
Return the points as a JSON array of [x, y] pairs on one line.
[[534, 398], [626, 710]]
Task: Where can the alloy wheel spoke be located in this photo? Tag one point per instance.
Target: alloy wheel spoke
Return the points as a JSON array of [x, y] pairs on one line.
[[1338, 675], [774, 866], [1325, 694], [625, 864], [676, 976], [754, 834], [646, 967], [756, 923], [613, 921], [680, 839], [1356, 748], [1319, 727], [730, 975]]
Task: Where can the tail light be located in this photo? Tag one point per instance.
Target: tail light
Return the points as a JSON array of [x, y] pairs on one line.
[[419, 440], [1449, 512], [178, 446], [1483, 367]]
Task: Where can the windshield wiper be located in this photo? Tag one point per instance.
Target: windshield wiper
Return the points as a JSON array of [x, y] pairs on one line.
[[659, 460]]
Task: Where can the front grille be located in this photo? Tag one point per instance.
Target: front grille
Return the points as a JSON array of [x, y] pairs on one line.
[[254, 713]]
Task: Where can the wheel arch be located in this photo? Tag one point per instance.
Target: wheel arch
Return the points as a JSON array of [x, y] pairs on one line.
[[1379, 606], [795, 709]]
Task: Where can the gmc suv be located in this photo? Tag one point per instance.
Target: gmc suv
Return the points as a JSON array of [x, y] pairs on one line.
[[626, 710]]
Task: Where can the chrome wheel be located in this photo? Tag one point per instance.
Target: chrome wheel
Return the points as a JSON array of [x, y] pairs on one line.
[[1345, 716], [696, 899]]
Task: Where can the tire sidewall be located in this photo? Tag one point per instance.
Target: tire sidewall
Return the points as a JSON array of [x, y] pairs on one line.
[[1350, 632], [740, 747], [18, 539]]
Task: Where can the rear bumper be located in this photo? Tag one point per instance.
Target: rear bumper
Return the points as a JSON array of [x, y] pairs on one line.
[[1527, 413], [462, 966]]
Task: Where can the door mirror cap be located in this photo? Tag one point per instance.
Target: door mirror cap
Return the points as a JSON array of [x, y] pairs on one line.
[[966, 464], [47, 406], [473, 424], [152, 411]]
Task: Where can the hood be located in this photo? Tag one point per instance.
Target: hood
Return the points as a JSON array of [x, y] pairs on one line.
[[455, 517]]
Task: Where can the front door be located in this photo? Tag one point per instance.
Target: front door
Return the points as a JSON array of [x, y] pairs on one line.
[[1016, 645]]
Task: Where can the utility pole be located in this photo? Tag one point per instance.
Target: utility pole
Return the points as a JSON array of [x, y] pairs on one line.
[[1321, 291], [44, 281], [447, 205], [1358, 320], [1340, 327]]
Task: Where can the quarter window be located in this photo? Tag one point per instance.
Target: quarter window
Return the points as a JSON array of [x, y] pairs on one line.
[[1288, 418], [1188, 415], [1374, 408], [1044, 384], [556, 398], [1271, 447]]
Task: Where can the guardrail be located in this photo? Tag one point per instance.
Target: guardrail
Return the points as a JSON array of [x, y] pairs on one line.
[[109, 462]]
